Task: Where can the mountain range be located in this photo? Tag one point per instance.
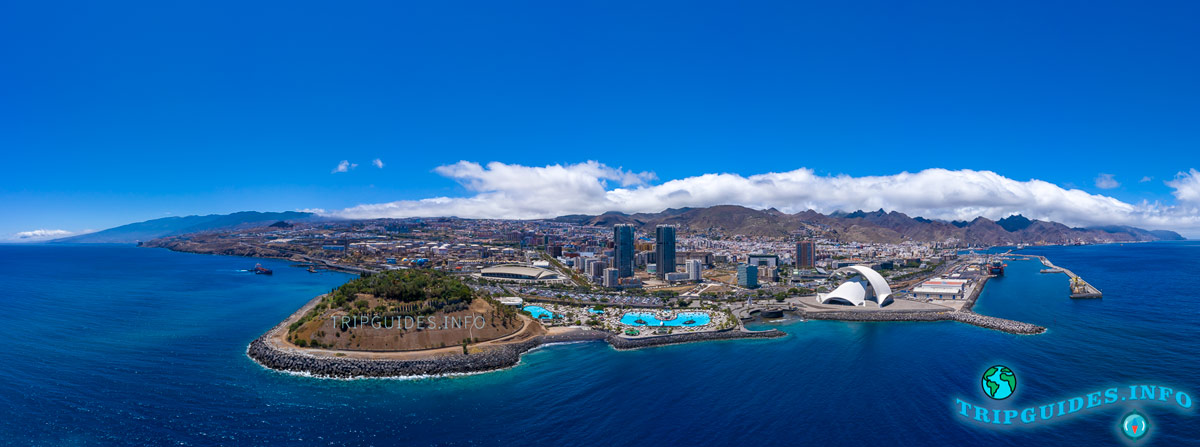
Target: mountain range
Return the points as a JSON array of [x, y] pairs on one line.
[[871, 226], [722, 220], [172, 226]]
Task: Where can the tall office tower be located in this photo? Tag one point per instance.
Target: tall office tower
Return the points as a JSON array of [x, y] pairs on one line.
[[806, 255], [664, 247], [747, 276], [693, 269], [623, 246]]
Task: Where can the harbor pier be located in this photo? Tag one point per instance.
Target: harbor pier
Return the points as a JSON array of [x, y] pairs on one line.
[[1080, 289]]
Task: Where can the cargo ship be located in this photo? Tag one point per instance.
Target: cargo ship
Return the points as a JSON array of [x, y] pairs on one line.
[[260, 270], [996, 268]]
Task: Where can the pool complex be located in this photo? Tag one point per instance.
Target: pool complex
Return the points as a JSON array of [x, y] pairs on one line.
[[700, 319], [539, 312]]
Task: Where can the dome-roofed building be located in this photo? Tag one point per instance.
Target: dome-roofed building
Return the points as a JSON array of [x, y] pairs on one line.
[[865, 285]]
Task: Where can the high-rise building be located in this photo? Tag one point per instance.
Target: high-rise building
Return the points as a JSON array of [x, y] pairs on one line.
[[806, 255], [610, 278], [623, 247], [693, 269], [664, 247], [596, 269], [747, 276]]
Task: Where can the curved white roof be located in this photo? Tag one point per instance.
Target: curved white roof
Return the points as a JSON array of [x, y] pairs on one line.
[[852, 292], [518, 271], [880, 291]]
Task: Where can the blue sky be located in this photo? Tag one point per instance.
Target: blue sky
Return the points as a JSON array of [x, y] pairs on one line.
[[118, 112]]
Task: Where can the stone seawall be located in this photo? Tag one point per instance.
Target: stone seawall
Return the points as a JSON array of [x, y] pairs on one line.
[[968, 317], [494, 358], [999, 324], [931, 315], [622, 343], [498, 357]]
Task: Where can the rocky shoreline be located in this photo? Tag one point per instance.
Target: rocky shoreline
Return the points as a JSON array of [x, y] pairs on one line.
[[494, 358]]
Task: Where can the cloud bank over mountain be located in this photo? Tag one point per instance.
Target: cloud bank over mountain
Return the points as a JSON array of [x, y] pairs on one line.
[[40, 234], [499, 190]]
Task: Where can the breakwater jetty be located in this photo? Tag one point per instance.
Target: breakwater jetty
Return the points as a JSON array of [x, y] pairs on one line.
[[622, 343], [268, 352], [962, 316], [1080, 289]]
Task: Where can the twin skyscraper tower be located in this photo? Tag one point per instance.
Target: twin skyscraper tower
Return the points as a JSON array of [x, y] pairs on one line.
[[664, 249]]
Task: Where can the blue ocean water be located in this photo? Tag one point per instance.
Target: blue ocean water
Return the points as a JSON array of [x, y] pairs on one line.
[[133, 346]]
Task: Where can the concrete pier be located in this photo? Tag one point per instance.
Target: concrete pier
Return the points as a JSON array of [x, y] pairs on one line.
[[1079, 287]]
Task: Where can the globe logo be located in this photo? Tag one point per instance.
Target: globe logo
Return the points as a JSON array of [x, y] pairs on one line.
[[999, 382]]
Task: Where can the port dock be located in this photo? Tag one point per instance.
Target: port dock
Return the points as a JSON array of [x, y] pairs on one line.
[[1080, 289]]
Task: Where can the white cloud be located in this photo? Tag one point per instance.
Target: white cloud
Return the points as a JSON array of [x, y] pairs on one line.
[[1146, 179], [500, 190], [1187, 187], [378, 163], [40, 234], [1106, 181], [312, 210], [344, 166]]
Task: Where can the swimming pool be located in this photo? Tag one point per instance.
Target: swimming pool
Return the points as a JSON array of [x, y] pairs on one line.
[[538, 311], [699, 319], [596, 311]]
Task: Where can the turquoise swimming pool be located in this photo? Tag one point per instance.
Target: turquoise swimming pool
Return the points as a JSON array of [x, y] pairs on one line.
[[596, 311], [538, 311], [696, 318]]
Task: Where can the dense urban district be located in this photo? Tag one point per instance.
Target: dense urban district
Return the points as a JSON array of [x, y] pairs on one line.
[[501, 287]]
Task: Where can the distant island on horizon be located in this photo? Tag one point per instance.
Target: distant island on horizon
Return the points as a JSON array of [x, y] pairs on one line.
[[878, 226]]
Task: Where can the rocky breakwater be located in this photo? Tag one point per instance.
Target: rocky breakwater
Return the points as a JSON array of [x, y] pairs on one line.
[[968, 317], [263, 351], [999, 324], [622, 343], [878, 315], [291, 359]]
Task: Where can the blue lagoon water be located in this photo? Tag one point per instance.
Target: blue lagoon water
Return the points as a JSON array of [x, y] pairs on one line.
[[681, 319], [131, 346], [538, 311]]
